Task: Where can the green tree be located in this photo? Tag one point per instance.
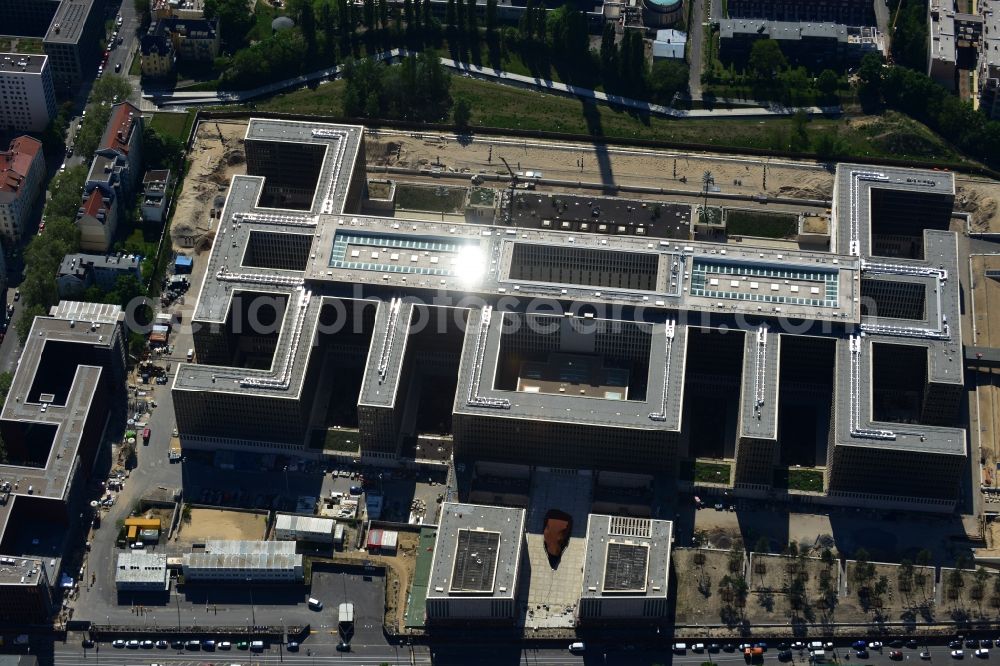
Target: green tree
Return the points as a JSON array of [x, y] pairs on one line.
[[766, 59], [666, 79], [827, 83], [307, 25], [462, 112], [608, 48], [27, 319], [471, 20], [234, 21], [491, 17]]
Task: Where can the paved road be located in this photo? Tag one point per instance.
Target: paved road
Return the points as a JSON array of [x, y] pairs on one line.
[[696, 48], [504, 654]]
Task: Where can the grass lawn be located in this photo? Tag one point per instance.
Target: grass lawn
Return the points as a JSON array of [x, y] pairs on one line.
[[135, 69], [765, 225], [436, 199], [711, 472], [805, 479], [176, 124], [495, 105]]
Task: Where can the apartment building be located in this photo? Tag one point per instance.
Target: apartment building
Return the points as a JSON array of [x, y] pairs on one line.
[[27, 97], [989, 59], [847, 12], [78, 272], [22, 171], [174, 38], [813, 45], [72, 42]]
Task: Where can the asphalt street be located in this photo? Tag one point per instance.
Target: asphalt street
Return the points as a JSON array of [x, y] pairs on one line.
[[500, 654]]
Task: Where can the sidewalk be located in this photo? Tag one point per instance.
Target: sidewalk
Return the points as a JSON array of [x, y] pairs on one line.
[[181, 98]]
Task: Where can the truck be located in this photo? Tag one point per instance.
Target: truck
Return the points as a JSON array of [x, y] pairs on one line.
[[345, 618], [753, 655], [174, 452], [145, 436]]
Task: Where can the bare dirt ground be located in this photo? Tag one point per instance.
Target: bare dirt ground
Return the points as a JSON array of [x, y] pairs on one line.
[[981, 199], [773, 580], [221, 524], [907, 600], [698, 572], [970, 598], [589, 163], [216, 156]]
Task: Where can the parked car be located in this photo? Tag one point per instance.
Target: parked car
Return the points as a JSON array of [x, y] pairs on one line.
[[912, 644], [954, 645], [896, 655], [785, 655], [87, 643], [859, 645], [208, 645], [118, 643], [875, 645], [798, 645], [680, 648], [957, 654], [986, 643], [163, 645], [925, 655], [292, 646], [971, 643], [147, 645], [177, 645], [242, 645], [983, 653], [862, 654], [132, 644], [225, 645], [698, 647]]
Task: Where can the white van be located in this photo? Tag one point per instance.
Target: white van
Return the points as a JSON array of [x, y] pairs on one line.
[[190, 355], [315, 603], [817, 656], [577, 647], [257, 646], [816, 645]]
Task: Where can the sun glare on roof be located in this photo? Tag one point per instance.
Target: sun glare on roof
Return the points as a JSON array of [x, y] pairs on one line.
[[470, 265]]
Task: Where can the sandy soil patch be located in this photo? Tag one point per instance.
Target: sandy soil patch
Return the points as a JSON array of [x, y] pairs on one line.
[[222, 524], [982, 200], [216, 156], [572, 161], [698, 572]]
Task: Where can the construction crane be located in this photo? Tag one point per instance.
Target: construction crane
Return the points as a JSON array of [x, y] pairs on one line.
[[509, 213], [513, 176]]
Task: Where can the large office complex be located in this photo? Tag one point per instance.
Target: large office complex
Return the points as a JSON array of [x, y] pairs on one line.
[[27, 98], [72, 41], [68, 385], [626, 570], [27, 17], [476, 565], [579, 350], [989, 59]]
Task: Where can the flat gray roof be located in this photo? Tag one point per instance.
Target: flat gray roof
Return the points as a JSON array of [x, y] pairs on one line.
[[67, 25], [27, 63], [478, 551], [19, 570], [626, 557], [142, 568], [52, 480]]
